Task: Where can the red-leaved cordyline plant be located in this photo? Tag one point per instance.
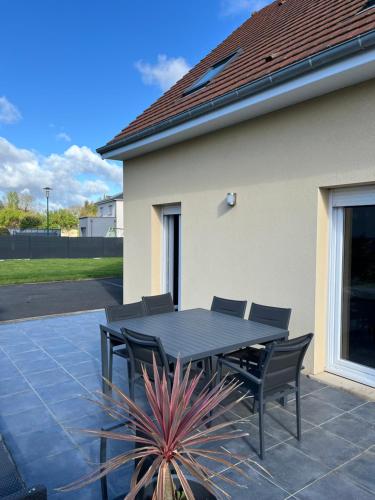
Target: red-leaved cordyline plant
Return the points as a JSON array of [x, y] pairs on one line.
[[173, 435]]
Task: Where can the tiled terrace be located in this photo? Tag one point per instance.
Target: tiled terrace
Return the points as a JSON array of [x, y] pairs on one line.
[[48, 365]]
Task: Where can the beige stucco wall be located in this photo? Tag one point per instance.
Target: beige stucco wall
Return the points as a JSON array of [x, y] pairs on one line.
[[265, 248]]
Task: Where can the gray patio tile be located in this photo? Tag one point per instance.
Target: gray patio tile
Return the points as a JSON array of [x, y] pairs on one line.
[[366, 411], [26, 421], [71, 358], [16, 351], [55, 471], [254, 486], [94, 421], [7, 369], [353, 429], [334, 486], [49, 377], [309, 385], [42, 443], [91, 382], [90, 449], [327, 448], [15, 403], [71, 409], [361, 470], [36, 365], [314, 410], [339, 398], [290, 468], [249, 446], [33, 353], [119, 481], [13, 385], [61, 391], [280, 424], [85, 368], [13, 338], [89, 492]]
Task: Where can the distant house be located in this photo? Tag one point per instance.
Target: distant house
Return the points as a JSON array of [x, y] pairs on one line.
[[108, 221], [281, 115]]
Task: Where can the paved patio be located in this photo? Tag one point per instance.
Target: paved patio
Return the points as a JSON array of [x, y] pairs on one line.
[[48, 365]]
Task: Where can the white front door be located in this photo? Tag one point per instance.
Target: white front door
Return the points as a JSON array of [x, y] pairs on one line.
[[172, 252], [351, 332]]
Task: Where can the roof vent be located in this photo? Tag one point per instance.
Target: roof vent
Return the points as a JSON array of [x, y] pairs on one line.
[[271, 57]]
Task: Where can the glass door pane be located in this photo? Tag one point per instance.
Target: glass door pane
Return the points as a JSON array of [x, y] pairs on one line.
[[358, 286]]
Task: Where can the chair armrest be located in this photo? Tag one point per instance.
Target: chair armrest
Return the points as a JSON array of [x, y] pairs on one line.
[[241, 371]]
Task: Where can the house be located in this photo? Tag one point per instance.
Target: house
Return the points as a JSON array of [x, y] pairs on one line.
[[281, 116], [109, 220]]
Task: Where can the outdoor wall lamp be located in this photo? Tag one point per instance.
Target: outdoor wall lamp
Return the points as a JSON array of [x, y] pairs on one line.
[[231, 199]]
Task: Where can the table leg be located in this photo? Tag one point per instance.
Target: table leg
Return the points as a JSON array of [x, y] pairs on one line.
[[104, 353]]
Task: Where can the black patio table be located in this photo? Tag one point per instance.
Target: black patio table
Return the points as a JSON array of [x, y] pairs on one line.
[[192, 334]]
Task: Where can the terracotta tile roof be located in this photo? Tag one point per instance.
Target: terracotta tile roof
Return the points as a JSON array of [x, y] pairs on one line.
[[280, 34]]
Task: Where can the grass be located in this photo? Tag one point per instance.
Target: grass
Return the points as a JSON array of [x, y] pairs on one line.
[[38, 270]]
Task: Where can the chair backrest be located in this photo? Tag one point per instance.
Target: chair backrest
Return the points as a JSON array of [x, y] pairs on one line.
[[271, 316], [124, 311], [227, 306], [141, 349], [282, 362], [158, 304]]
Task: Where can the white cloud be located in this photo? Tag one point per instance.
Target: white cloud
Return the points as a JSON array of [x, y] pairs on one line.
[[76, 175], [233, 7], [63, 136], [165, 72], [8, 112]]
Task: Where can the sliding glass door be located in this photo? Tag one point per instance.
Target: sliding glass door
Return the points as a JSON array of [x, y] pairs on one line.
[[351, 343]]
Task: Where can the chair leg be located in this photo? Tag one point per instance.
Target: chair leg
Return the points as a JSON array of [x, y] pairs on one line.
[[131, 382], [298, 415], [261, 428], [103, 458], [110, 362]]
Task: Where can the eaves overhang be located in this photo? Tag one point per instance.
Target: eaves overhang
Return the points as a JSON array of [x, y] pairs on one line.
[[337, 67]]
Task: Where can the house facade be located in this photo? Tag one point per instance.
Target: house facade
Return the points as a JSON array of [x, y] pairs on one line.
[[109, 220], [282, 116]]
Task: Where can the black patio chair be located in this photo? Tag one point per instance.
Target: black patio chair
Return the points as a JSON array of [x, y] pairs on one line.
[[118, 313], [158, 304], [227, 306], [277, 376], [278, 317], [141, 349]]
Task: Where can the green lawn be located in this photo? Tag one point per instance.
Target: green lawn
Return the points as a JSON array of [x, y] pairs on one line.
[[36, 270]]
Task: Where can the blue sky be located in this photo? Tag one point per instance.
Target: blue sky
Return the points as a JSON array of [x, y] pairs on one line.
[[74, 72]]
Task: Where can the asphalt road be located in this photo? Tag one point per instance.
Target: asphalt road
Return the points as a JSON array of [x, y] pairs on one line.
[[43, 299]]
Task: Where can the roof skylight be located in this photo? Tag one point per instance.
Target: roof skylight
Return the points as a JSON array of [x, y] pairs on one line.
[[210, 74]]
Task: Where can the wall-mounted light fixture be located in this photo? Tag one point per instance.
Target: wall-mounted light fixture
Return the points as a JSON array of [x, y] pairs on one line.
[[231, 199]]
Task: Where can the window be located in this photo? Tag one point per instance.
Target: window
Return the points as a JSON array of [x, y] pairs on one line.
[[101, 211], [210, 74], [368, 4], [110, 209]]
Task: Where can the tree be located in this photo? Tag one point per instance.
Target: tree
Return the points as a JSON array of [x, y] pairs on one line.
[[62, 219], [11, 217], [12, 200], [30, 221], [25, 201], [89, 209]]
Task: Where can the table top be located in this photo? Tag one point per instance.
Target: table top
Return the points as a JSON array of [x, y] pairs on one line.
[[195, 334]]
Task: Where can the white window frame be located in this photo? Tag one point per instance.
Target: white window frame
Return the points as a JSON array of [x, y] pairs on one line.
[[339, 199], [166, 271]]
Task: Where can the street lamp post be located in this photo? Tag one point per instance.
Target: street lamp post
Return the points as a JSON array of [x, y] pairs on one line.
[[47, 191]]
